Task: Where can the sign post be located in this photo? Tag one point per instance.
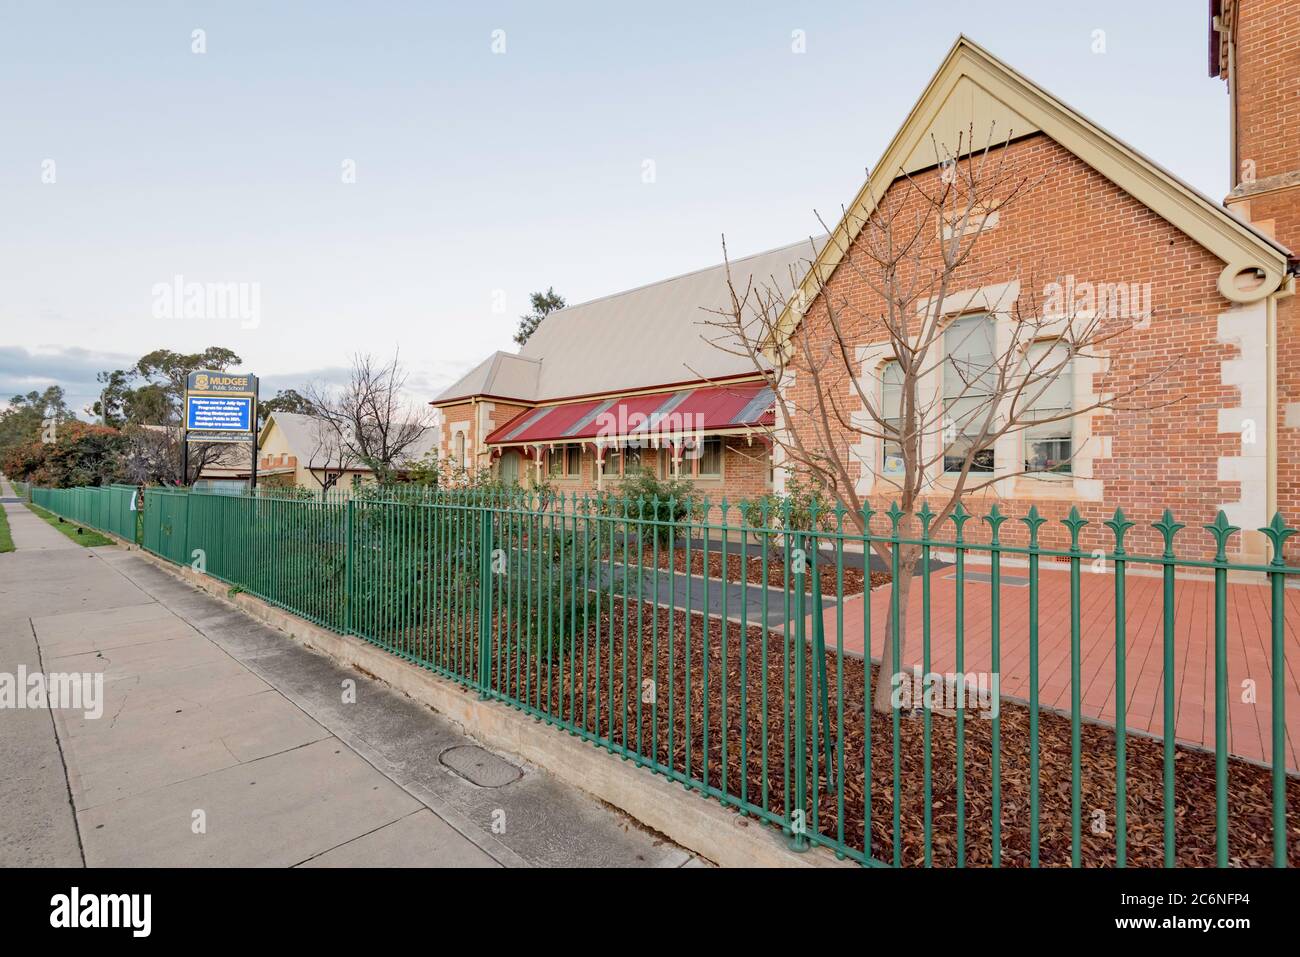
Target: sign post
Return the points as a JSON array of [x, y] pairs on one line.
[[220, 407]]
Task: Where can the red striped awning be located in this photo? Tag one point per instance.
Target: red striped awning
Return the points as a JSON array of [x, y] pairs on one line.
[[661, 415]]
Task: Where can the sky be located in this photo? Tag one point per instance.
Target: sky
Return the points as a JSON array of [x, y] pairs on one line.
[[398, 177]]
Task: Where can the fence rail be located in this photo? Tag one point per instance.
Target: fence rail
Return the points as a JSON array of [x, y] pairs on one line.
[[731, 650]]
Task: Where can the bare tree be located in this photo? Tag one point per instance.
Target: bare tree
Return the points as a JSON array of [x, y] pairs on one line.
[[153, 454], [370, 419], [914, 254]]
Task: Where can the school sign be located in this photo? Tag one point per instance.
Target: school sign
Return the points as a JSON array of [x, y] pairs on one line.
[[220, 407]]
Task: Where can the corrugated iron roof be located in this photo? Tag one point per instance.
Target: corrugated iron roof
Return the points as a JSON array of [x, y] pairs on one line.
[[679, 413], [645, 337]]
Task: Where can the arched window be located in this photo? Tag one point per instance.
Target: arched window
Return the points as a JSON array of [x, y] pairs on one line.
[[459, 449]]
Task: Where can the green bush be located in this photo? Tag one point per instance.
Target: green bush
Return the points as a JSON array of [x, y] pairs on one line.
[[546, 588], [647, 499]]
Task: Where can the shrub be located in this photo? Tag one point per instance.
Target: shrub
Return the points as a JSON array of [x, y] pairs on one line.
[[655, 505], [547, 588]]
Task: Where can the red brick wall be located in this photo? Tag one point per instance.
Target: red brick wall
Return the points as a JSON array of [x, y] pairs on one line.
[[1267, 95], [1076, 222], [498, 415], [1268, 85]]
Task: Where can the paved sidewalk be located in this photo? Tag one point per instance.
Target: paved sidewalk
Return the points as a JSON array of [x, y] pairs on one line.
[[223, 742], [29, 532]]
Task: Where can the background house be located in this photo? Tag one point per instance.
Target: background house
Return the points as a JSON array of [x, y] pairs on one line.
[[302, 451]]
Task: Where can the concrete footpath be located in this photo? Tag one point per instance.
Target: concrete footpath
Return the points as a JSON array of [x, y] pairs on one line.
[[224, 743]]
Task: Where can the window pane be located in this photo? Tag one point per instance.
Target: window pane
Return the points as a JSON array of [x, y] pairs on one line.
[[1048, 452], [969, 345], [891, 410], [573, 460], [968, 384], [631, 460], [1056, 387], [555, 461], [711, 457], [891, 390], [955, 454], [1049, 447]]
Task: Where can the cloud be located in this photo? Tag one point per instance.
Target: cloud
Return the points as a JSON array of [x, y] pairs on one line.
[[74, 369], [71, 367]]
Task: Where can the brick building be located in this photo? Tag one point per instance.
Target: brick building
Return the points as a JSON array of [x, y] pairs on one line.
[[1215, 281], [631, 383]]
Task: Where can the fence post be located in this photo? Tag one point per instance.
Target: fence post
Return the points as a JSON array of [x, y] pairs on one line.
[[347, 568], [799, 836], [185, 537], [484, 599]]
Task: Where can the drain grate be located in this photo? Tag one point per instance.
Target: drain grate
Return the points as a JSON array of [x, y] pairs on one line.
[[1013, 581], [479, 766]]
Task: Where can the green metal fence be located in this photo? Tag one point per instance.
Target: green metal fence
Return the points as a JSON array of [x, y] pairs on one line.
[[724, 648], [109, 508]]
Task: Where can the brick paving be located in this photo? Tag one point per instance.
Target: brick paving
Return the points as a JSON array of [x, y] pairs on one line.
[[1249, 654]]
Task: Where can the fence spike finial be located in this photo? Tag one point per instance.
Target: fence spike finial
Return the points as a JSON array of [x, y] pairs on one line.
[[1033, 521], [1075, 523], [959, 518], [895, 515], [1168, 528], [1119, 526], [1222, 530], [926, 515], [1277, 533], [995, 518]]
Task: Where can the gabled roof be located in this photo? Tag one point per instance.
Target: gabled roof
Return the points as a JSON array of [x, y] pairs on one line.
[[974, 87], [650, 336], [502, 375], [303, 436]]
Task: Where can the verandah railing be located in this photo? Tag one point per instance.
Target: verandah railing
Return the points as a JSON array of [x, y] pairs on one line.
[[729, 650]]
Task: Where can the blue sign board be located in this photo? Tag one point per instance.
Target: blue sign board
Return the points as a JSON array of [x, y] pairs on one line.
[[219, 413]]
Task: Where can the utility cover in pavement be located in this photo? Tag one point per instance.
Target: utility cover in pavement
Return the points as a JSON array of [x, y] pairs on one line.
[[480, 767]]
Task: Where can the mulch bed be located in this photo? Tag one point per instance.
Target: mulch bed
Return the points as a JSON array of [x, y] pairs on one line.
[[776, 577], [615, 712]]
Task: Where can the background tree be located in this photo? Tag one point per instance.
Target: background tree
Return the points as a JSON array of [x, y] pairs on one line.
[[26, 417], [544, 303], [284, 400], [371, 419], [151, 393], [912, 253], [81, 454]]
